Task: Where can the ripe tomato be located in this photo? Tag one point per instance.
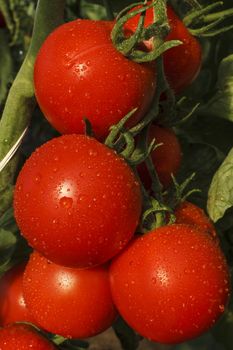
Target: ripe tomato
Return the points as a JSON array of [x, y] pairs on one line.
[[188, 213], [74, 303], [23, 337], [2, 21], [12, 305], [79, 74], [76, 201], [181, 63], [171, 284], [166, 158]]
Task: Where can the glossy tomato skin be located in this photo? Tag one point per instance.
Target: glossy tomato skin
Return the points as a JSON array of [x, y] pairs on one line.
[[166, 158], [78, 78], [191, 214], [12, 305], [171, 284], [76, 201], [71, 302], [23, 337], [181, 63]]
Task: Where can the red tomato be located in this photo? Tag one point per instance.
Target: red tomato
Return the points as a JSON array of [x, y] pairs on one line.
[[171, 284], [79, 74], [12, 305], [166, 158], [74, 303], [182, 63], [188, 213], [2, 21], [76, 201], [23, 337]]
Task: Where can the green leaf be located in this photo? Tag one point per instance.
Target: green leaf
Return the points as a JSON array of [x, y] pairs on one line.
[[7, 245], [7, 240], [7, 218], [211, 130], [220, 196], [19, 16], [128, 338], [20, 102], [203, 160], [93, 11], [222, 103], [6, 66]]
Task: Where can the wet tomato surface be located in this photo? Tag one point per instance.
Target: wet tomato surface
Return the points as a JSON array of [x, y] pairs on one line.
[[189, 213], [171, 284], [76, 201], [78, 78], [74, 303], [12, 304], [23, 337]]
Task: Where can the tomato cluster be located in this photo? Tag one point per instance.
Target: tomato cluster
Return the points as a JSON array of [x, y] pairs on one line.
[[78, 203]]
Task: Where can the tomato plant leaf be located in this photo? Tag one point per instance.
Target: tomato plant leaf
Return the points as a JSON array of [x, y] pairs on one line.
[[20, 102], [7, 246], [220, 196], [6, 66], [128, 338], [93, 11], [6, 218], [203, 160], [8, 240], [19, 16], [222, 102]]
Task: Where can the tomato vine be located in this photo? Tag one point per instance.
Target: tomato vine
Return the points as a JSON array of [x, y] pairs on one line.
[[131, 144]]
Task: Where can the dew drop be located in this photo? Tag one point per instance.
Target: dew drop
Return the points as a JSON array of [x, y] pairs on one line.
[[66, 202], [38, 178], [154, 280], [221, 308]]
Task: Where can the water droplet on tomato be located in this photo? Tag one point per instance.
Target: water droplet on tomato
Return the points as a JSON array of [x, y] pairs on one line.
[[38, 178], [66, 202], [221, 308]]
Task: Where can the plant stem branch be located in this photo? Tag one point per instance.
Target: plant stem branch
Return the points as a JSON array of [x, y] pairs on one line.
[[21, 102]]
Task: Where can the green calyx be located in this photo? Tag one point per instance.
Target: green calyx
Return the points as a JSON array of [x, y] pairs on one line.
[[202, 22], [129, 45], [180, 192]]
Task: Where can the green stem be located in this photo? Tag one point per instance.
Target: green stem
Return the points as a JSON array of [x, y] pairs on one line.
[[21, 102], [160, 12], [188, 20], [221, 14], [58, 340]]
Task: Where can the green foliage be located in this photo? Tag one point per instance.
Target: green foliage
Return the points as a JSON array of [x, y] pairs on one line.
[[221, 104], [92, 11], [202, 159], [128, 338], [19, 16], [6, 67], [221, 189], [7, 246], [206, 138]]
